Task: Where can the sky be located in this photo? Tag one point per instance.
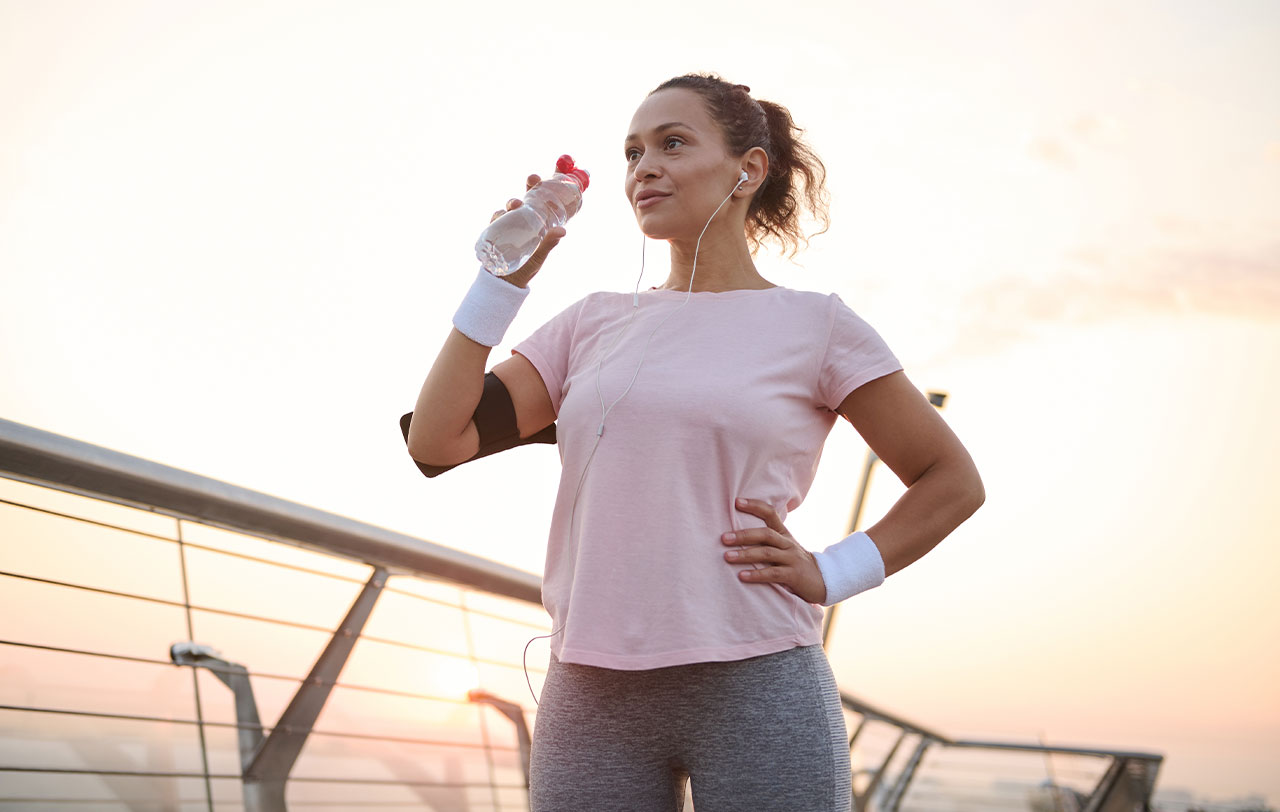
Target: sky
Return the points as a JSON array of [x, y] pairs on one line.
[[233, 235]]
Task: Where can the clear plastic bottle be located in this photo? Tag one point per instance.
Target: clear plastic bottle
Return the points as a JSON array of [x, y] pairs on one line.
[[510, 240]]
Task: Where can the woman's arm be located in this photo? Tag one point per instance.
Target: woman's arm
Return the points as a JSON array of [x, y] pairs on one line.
[[943, 489], [529, 397], [442, 431], [908, 435]]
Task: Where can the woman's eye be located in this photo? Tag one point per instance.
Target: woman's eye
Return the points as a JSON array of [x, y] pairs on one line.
[[674, 141], [633, 154]]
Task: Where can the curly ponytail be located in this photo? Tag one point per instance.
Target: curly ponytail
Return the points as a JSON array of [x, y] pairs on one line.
[[796, 179]]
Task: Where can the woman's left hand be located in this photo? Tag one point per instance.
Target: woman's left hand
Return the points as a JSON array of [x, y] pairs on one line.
[[777, 557]]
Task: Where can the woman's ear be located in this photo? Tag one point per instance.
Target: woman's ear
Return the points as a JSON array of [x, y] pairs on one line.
[[756, 164]]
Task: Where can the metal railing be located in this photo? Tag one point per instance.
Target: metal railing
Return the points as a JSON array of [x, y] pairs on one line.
[[919, 769], [169, 641], [150, 619]]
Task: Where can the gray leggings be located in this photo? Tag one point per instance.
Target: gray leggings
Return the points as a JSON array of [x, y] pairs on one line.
[[761, 734]]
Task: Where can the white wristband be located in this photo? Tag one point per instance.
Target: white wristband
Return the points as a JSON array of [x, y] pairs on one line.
[[850, 566], [488, 309]]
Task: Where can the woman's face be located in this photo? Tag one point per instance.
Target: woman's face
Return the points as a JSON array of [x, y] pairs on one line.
[[678, 166]]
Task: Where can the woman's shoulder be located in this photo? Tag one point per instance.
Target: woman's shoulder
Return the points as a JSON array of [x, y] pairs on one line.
[[814, 298], [817, 304], [827, 301]]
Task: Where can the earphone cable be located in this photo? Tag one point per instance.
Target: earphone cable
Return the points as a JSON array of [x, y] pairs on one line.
[[604, 356]]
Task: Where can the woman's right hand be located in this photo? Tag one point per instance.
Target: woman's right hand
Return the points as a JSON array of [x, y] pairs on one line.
[[520, 278]]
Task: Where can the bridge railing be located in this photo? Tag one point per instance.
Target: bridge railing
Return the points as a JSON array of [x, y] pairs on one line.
[[168, 641], [363, 650], [901, 766]]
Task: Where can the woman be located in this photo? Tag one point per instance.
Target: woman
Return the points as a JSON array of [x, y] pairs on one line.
[[686, 639]]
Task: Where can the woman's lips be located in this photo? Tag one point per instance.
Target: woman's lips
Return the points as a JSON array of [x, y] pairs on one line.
[[646, 199]]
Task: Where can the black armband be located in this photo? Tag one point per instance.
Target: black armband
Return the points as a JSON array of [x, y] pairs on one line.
[[495, 419]]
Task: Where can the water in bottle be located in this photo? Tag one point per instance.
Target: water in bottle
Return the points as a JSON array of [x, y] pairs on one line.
[[510, 240]]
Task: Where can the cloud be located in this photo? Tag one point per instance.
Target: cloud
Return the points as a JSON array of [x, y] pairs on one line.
[[1086, 126], [1181, 280], [1085, 132], [1188, 267], [1243, 282], [1053, 152]]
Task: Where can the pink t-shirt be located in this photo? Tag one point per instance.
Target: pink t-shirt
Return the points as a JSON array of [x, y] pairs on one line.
[[735, 397]]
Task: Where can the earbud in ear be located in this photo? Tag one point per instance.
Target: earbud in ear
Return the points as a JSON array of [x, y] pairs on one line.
[[742, 178]]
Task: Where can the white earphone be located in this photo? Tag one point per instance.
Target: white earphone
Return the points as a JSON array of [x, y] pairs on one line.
[[743, 178]]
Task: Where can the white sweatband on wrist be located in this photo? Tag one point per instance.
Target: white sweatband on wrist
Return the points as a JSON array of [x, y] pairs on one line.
[[850, 566], [488, 309]]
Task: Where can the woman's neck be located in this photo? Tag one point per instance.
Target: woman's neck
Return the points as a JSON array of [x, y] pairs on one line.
[[723, 263]]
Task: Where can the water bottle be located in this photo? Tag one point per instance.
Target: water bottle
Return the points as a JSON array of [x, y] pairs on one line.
[[510, 240]]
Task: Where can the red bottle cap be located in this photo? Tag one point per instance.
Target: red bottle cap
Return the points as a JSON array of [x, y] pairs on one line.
[[564, 165]]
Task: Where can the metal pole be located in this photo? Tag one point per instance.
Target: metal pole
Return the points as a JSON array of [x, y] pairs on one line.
[[878, 777], [267, 760], [1106, 785], [516, 714], [908, 772], [267, 772], [236, 677]]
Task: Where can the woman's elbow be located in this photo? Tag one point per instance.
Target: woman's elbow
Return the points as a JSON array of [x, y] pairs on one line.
[[417, 441], [427, 449], [975, 493], [979, 496], [428, 454], [420, 453]]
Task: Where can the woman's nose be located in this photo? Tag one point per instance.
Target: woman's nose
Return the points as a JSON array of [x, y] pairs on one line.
[[646, 167]]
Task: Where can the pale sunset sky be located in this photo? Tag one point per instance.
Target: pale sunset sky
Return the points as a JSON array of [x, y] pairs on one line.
[[233, 235]]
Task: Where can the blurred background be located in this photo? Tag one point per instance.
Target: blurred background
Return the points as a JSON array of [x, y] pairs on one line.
[[233, 235]]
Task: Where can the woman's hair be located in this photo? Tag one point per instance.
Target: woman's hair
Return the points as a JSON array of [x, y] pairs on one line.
[[796, 179]]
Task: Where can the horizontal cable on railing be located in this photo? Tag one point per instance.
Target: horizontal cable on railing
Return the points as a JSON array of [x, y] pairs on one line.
[[131, 773], [259, 618], [270, 562], [1067, 772], [232, 777], [41, 458], [962, 806], [951, 804], [978, 801], [295, 680], [95, 522], [976, 776], [107, 655], [95, 589], [167, 802], [333, 576], [389, 782], [481, 612], [978, 782], [348, 579], [990, 790], [264, 728], [1010, 767], [359, 581]]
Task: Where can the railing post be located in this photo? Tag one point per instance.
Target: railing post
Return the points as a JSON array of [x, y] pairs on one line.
[[235, 677], [265, 762], [516, 714], [857, 731], [266, 774], [899, 790], [1107, 785], [875, 779]]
